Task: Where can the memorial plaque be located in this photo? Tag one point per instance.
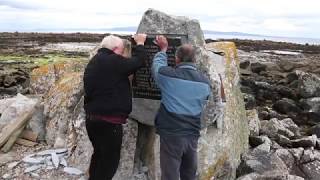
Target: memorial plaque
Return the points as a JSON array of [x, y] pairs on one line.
[[143, 84]]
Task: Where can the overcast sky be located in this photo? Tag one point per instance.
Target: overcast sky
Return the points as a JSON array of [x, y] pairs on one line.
[[296, 18]]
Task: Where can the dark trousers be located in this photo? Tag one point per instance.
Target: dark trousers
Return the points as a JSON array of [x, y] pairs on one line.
[[106, 139], [178, 157]]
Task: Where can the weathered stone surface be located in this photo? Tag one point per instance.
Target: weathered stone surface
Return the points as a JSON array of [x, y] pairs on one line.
[[309, 84], [254, 122], [312, 170], [44, 77], [273, 127], [59, 104], [37, 124], [258, 67]]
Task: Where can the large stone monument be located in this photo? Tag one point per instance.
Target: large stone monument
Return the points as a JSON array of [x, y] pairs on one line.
[[225, 134]]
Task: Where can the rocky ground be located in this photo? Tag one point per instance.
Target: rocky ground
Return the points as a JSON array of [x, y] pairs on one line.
[[280, 83], [281, 91]]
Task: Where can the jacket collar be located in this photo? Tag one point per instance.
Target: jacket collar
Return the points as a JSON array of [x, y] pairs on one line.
[[187, 65], [105, 50]]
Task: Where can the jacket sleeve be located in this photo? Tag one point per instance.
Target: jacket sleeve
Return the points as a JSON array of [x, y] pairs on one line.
[[159, 60], [131, 65]]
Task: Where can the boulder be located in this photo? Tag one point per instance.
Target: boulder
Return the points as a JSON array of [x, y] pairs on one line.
[[309, 84], [273, 127], [309, 141], [311, 104], [224, 137], [59, 104], [258, 67], [315, 130], [286, 106], [17, 106]]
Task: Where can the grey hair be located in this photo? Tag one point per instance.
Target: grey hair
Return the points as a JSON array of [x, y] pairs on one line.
[[185, 53], [111, 42]]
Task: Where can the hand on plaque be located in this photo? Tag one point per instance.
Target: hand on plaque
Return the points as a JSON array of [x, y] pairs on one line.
[[162, 42], [140, 38]]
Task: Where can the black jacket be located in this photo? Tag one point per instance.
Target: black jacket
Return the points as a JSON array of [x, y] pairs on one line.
[[106, 84]]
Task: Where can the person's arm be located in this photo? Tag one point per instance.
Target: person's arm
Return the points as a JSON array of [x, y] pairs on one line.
[[160, 59], [129, 66]]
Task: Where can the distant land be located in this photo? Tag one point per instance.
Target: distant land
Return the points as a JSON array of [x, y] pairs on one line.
[[209, 34]]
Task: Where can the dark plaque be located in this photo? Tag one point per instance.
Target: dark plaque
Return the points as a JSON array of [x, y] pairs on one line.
[[143, 84]]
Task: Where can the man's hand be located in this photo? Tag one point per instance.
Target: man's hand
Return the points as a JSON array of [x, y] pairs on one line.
[[162, 43], [140, 38]]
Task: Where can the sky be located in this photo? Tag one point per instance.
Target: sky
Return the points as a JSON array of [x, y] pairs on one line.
[[290, 18]]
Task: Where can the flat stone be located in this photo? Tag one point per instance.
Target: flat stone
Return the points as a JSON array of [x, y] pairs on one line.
[[32, 168], [72, 171], [50, 151], [63, 162], [31, 160], [55, 160]]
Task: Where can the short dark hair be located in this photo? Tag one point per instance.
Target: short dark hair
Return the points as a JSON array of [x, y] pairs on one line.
[[185, 53]]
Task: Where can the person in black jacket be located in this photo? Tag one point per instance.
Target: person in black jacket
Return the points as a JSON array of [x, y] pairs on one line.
[[108, 101]]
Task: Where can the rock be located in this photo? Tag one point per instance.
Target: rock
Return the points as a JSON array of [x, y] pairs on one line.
[[227, 130], [296, 153], [5, 103], [63, 162], [273, 127], [50, 151], [254, 122], [286, 106], [292, 77], [291, 125], [244, 64], [312, 170], [261, 163], [250, 101], [286, 157], [309, 84], [6, 176], [264, 115], [59, 104], [315, 130], [20, 105], [309, 141], [55, 160], [283, 141], [32, 168], [9, 81], [30, 160], [263, 85], [7, 157], [258, 67], [311, 104], [318, 144], [271, 175], [13, 164], [72, 171], [263, 148], [309, 155], [255, 141], [37, 122]]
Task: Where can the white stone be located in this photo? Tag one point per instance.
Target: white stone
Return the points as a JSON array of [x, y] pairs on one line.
[[72, 171], [49, 151], [63, 162], [31, 160]]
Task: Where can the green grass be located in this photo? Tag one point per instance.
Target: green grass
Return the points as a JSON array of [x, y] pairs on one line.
[[41, 60]]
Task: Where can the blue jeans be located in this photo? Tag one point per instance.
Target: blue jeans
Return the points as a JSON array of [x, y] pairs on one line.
[[178, 157]]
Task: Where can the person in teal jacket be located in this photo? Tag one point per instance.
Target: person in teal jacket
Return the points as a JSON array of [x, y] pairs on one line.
[[184, 92]]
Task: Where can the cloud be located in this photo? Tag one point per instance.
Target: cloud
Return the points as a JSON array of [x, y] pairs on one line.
[[270, 17]]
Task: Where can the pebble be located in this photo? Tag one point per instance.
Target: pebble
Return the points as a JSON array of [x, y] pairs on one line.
[[73, 171]]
